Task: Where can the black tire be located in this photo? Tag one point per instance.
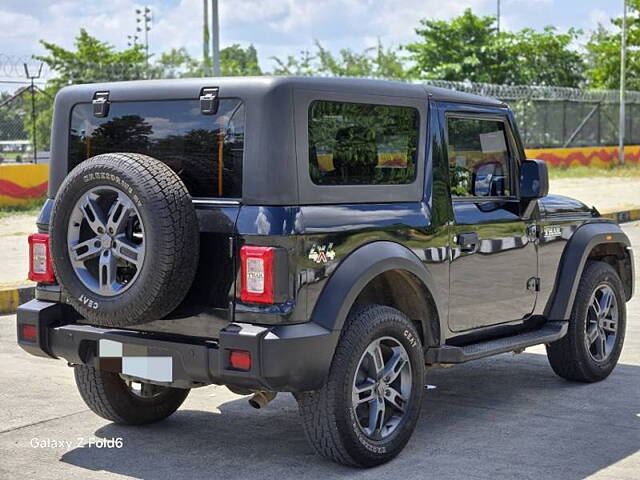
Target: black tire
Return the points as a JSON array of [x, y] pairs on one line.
[[327, 416], [570, 357], [170, 232], [109, 396]]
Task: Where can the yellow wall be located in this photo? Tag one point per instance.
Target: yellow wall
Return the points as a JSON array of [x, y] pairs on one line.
[[22, 183]]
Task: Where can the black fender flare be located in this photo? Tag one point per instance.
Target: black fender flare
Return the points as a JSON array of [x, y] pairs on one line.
[[574, 258], [357, 270]]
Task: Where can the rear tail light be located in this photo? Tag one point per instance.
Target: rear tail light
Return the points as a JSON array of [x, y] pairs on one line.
[[28, 332], [240, 360], [40, 265], [256, 274]]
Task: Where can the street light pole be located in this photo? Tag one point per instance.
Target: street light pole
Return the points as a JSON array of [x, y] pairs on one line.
[[498, 16], [215, 38], [623, 54], [206, 61], [144, 15]]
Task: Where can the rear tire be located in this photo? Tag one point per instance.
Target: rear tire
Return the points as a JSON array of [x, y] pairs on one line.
[[334, 427], [108, 395], [577, 356]]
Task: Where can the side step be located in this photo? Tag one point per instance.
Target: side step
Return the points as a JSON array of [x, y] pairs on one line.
[[549, 332]]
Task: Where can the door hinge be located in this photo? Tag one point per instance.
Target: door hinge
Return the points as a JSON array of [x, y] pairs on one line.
[[533, 284], [209, 101], [101, 104]]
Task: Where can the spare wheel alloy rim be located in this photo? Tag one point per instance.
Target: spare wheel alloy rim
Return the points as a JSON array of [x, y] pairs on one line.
[[105, 240]]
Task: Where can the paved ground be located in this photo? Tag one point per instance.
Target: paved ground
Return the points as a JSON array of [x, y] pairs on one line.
[[607, 194], [500, 418], [14, 251]]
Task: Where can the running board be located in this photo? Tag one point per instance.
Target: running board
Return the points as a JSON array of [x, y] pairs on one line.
[[549, 332]]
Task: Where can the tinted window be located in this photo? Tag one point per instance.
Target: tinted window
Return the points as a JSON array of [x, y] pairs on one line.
[[198, 147], [354, 144], [478, 158]]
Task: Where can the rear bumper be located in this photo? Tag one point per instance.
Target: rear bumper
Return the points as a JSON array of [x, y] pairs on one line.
[[284, 358]]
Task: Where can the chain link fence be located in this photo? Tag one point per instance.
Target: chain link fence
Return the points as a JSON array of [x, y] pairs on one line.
[[14, 141], [562, 117]]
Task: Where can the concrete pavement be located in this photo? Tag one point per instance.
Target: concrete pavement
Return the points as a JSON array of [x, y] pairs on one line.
[[500, 418]]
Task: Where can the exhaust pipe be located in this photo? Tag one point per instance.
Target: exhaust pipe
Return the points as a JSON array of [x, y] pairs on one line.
[[261, 398]]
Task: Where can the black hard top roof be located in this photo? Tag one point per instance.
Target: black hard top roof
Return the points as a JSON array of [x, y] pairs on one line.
[[190, 88]]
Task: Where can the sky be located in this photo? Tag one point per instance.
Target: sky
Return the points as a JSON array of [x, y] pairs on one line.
[[274, 27]]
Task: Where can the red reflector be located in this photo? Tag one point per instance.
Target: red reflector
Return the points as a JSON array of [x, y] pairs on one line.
[[256, 276], [40, 266], [240, 359], [28, 332]]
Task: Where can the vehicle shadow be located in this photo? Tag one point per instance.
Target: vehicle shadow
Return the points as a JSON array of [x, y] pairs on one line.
[[496, 418]]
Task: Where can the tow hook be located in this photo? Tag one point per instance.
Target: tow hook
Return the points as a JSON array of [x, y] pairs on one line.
[[261, 398]]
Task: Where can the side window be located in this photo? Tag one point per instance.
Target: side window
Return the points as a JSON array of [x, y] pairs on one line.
[[478, 157], [362, 144]]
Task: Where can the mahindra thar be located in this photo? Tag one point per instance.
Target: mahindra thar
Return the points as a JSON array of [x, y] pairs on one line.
[[332, 238]]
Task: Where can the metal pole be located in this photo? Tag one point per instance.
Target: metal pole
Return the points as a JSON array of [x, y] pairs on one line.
[[498, 16], [144, 15], [33, 121], [146, 37], [206, 61], [33, 107], [215, 38], [623, 54]]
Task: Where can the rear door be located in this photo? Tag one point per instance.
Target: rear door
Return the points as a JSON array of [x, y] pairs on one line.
[[493, 265], [206, 151]]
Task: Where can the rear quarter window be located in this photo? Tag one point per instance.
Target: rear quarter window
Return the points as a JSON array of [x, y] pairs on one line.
[[206, 151], [362, 144]]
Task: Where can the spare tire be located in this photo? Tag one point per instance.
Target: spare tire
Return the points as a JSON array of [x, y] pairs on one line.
[[124, 239]]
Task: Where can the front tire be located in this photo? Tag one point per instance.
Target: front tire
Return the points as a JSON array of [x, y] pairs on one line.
[[110, 396], [367, 410], [590, 350]]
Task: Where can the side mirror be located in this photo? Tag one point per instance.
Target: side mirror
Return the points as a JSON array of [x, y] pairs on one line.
[[534, 179]]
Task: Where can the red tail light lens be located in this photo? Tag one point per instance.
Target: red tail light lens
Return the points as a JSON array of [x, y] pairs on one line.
[[240, 360], [28, 332], [256, 272], [40, 266]]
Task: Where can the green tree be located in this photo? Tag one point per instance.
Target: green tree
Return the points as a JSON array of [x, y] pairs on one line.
[[93, 61], [238, 61], [470, 48], [603, 53], [177, 63], [377, 62]]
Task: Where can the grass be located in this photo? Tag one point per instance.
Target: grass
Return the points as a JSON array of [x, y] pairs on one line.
[[32, 207], [626, 171]]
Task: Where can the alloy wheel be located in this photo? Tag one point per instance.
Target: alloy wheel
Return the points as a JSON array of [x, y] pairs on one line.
[[382, 388], [602, 323], [105, 239]]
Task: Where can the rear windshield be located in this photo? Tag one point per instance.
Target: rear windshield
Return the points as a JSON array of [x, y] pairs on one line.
[[205, 150]]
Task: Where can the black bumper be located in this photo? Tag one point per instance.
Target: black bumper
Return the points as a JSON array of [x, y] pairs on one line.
[[284, 358]]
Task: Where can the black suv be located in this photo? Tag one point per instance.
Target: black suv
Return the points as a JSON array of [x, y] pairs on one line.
[[325, 237]]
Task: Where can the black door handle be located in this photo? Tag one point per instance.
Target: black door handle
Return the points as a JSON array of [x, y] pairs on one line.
[[467, 241]]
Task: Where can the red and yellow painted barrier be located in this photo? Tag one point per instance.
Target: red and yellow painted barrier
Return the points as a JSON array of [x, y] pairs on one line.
[[22, 183], [585, 156]]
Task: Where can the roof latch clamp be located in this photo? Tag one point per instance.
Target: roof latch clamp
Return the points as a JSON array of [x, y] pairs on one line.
[[101, 104], [209, 101]]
